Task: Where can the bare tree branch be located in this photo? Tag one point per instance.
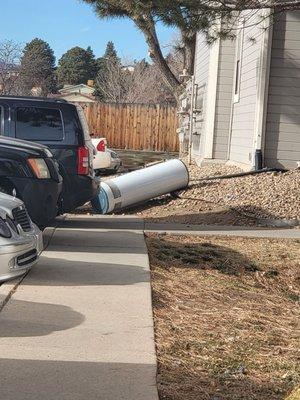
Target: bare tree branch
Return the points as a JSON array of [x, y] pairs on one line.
[[10, 54]]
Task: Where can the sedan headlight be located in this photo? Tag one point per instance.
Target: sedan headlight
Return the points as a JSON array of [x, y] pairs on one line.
[[39, 168], [4, 229], [12, 224]]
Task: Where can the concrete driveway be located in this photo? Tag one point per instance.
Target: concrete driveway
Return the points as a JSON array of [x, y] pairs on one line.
[[80, 324]]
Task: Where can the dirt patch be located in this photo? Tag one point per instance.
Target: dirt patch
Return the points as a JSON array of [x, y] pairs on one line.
[[226, 317]]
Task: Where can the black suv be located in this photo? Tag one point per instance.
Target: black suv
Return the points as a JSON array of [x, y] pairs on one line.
[[29, 171], [62, 127]]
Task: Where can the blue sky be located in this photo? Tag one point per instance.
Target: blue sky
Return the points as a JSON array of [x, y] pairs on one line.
[[68, 23]]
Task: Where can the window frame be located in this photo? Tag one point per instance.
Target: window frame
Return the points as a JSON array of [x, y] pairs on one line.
[[238, 61], [44, 108], [199, 96]]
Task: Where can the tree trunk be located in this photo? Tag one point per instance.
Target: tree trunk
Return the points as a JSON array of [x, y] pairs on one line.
[[189, 52], [148, 28]]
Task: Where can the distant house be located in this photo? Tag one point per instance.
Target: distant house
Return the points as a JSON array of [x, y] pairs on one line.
[[36, 91], [246, 106], [77, 93]]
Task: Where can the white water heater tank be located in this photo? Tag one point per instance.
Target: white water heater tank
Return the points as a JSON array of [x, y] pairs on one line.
[[141, 185]]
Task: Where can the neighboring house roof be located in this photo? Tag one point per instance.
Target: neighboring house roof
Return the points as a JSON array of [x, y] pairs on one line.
[[81, 88], [75, 97]]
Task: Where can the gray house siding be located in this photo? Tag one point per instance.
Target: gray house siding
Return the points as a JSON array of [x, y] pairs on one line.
[[224, 99], [282, 141], [241, 148], [234, 122], [201, 80]]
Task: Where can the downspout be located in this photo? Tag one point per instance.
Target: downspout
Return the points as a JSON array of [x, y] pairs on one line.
[[262, 93], [191, 129]]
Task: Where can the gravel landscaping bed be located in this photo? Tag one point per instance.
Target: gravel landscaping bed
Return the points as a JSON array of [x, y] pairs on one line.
[[226, 314], [232, 201], [271, 195]]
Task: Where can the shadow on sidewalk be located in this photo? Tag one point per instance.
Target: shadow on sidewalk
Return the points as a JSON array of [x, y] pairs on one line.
[[227, 215], [102, 222], [87, 240], [61, 272], [29, 319], [207, 214]]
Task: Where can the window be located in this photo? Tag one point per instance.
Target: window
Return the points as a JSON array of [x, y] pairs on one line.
[[238, 62], [199, 100], [39, 124]]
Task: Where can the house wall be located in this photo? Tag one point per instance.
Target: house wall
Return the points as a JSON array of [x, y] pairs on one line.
[[84, 89], [201, 79], [282, 140], [243, 117], [87, 90], [224, 99], [76, 97]]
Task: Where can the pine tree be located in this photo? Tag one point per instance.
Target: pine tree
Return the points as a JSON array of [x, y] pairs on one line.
[[110, 72], [37, 68], [111, 53], [77, 66], [110, 56]]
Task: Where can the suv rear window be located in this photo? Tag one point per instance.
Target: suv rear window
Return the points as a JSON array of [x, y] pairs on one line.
[[37, 123]]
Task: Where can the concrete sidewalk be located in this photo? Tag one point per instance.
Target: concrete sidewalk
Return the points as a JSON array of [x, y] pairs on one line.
[[219, 230], [80, 325], [134, 224]]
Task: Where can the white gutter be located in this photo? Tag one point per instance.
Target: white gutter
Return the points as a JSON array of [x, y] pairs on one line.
[[211, 96], [236, 97], [263, 85]]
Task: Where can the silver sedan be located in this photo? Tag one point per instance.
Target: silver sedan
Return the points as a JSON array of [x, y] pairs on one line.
[[21, 241]]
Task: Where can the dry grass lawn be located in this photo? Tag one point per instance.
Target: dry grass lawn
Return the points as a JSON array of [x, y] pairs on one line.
[[226, 317]]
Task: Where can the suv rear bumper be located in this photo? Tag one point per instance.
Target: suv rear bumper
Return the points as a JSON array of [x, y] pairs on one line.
[[84, 189]]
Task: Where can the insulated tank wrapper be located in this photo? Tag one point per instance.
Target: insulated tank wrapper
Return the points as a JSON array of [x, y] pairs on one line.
[[141, 185]]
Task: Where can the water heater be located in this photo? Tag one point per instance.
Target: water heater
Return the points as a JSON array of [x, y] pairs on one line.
[[141, 185]]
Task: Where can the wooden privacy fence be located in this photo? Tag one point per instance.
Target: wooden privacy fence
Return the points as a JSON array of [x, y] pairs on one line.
[[134, 126]]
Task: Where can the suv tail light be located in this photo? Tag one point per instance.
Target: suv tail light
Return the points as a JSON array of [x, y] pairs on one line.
[[101, 145], [83, 161]]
